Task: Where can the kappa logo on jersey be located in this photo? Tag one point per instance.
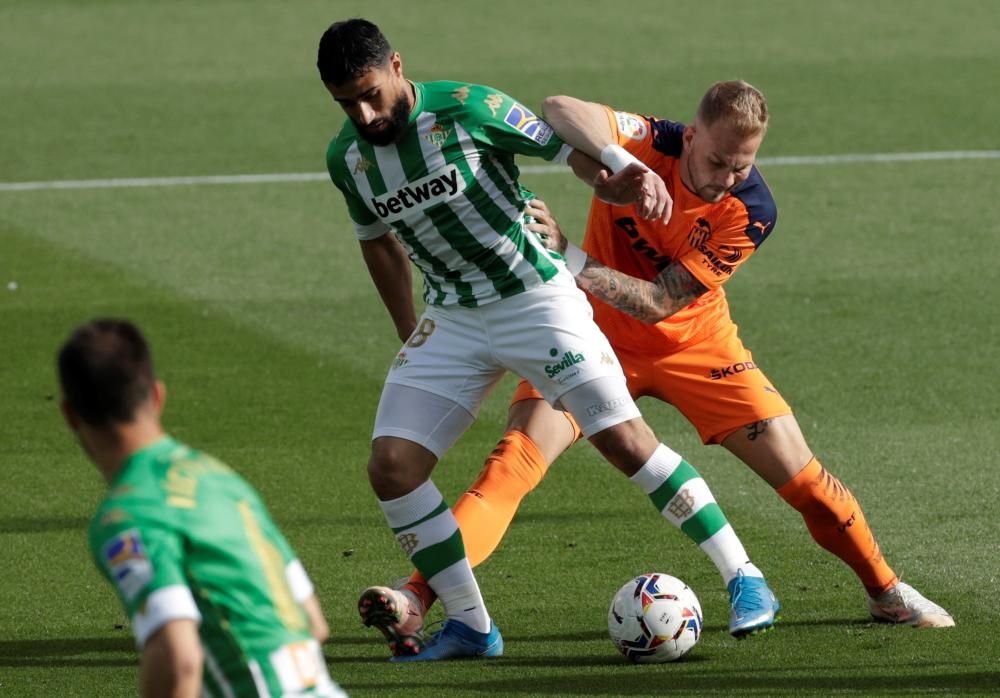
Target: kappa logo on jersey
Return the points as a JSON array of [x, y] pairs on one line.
[[521, 118], [631, 125], [461, 94], [494, 102], [435, 188], [361, 165], [125, 556]]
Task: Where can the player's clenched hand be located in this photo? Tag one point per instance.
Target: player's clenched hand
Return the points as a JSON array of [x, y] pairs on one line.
[[545, 226], [638, 185]]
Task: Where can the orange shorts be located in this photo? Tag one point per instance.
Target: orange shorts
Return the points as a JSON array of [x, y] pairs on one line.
[[714, 383]]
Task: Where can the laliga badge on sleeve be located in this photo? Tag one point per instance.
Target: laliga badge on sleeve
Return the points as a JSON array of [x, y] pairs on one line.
[[130, 568], [631, 125]]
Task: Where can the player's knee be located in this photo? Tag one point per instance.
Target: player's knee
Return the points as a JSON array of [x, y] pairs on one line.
[[627, 445], [395, 468]]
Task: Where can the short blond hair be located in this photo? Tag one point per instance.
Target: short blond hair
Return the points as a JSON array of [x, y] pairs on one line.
[[739, 102]]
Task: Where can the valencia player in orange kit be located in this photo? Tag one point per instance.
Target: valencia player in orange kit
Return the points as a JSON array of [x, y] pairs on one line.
[[655, 271]]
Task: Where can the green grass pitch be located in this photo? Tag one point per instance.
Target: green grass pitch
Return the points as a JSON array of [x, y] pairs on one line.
[[874, 308]]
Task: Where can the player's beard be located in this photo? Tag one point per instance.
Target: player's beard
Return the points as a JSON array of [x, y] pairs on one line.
[[395, 124], [705, 192]]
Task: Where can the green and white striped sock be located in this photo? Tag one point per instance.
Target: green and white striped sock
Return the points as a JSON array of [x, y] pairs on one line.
[[683, 498], [427, 531]]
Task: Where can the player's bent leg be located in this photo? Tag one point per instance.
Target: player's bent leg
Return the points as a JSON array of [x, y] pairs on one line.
[[380, 607], [776, 450], [512, 470], [681, 496], [413, 428], [427, 531], [536, 435]]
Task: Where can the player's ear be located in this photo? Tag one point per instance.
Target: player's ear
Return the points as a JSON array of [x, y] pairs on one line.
[[396, 64], [72, 420], [158, 396], [688, 135]]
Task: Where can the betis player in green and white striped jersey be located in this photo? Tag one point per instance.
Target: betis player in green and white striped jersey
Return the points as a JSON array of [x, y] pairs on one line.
[[449, 190], [428, 174], [191, 550]]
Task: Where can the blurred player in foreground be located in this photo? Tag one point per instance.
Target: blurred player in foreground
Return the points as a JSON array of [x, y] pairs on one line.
[[218, 601], [427, 172], [656, 290]]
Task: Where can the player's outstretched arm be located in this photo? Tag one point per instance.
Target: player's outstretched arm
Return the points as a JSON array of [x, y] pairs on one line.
[[172, 661], [583, 125], [617, 176], [389, 268], [649, 301]]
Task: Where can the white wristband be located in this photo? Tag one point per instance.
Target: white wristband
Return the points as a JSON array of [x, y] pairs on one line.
[[617, 158], [575, 258]]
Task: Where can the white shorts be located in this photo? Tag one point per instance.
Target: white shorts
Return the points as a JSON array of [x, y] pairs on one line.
[[546, 335]]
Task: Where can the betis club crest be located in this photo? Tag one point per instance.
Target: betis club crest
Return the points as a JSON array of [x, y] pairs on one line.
[[438, 135]]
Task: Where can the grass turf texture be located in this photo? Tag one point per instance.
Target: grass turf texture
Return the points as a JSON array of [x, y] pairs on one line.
[[873, 308]]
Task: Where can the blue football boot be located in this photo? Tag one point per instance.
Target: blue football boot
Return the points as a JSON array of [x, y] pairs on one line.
[[754, 606], [456, 640]]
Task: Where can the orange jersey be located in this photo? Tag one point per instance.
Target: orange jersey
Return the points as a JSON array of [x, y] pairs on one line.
[[711, 240]]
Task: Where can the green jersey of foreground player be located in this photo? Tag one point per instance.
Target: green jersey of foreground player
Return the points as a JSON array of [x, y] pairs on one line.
[[427, 171], [219, 603]]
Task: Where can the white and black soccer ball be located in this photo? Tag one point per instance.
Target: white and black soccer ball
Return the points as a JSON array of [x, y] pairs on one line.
[[654, 618]]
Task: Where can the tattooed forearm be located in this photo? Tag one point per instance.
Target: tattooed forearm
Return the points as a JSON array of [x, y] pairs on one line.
[[649, 301], [756, 429]]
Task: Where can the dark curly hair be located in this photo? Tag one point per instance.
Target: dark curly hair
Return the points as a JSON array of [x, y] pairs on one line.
[[349, 49]]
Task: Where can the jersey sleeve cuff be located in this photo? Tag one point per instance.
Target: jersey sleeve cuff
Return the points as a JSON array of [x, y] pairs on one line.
[[371, 231], [170, 603], [298, 581], [562, 157]]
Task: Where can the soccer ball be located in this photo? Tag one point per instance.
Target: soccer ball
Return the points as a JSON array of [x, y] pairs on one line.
[[654, 618]]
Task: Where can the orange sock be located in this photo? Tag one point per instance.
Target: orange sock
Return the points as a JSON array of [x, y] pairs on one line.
[[835, 520], [484, 512]]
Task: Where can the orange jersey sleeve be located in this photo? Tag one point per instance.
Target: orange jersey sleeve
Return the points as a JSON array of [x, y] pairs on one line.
[[725, 234], [633, 133]]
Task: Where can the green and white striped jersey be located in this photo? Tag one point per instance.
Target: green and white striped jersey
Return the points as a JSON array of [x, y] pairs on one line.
[[181, 536], [449, 191]]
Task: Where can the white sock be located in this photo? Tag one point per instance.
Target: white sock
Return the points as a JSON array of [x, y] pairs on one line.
[[427, 531]]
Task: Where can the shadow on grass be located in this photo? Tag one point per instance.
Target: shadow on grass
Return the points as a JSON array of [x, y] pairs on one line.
[[713, 680], [361, 639], [28, 524], [69, 652]]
